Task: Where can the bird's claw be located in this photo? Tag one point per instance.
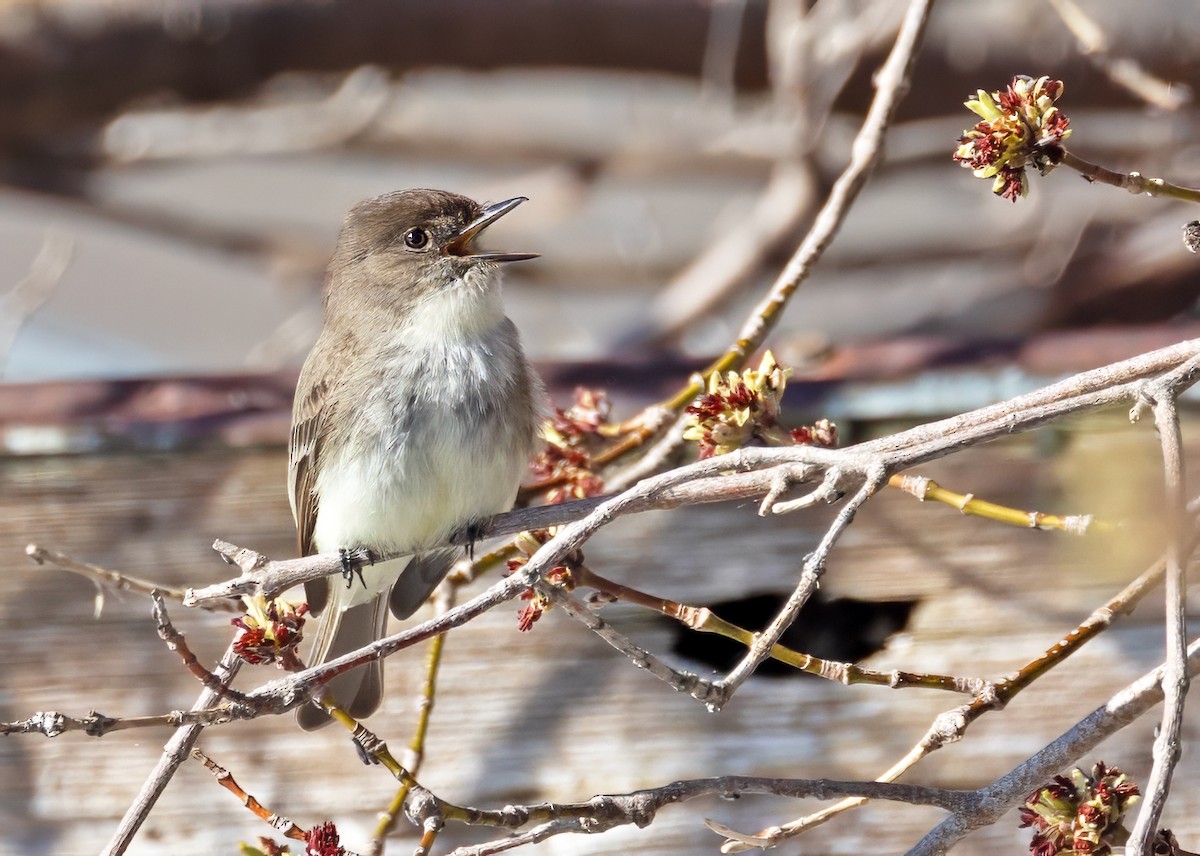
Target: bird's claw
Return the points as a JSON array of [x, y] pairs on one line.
[[350, 567], [474, 530]]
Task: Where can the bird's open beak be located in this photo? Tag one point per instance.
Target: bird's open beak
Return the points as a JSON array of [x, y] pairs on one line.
[[460, 245]]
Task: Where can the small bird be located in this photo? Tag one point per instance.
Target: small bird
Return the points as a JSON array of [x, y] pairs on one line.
[[415, 415]]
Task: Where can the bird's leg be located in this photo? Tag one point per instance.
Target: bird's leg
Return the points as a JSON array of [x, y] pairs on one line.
[[474, 530], [350, 567]]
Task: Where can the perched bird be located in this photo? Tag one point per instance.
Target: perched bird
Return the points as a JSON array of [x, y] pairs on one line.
[[415, 414]]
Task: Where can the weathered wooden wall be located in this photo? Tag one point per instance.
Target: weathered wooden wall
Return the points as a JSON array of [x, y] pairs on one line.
[[556, 714]]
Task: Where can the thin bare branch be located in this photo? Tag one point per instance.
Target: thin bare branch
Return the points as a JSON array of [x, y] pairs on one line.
[[810, 577], [104, 578], [608, 811], [1001, 796], [1167, 744], [175, 752], [444, 599], [1134, 182], [891, 83]]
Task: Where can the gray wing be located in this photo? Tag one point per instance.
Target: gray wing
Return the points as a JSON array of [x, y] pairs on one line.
[[418, 580], [310, 413]]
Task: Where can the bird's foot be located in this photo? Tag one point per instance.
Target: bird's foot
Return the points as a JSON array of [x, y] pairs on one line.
[[350, 566], [474, 530]]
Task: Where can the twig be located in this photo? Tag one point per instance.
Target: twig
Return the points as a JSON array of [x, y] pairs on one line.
[[828, 491], [174, 753], [653, 461], [998, 798], [116, 580], [1164, 392], [703, 620], [608, 811], [679, 680], [891, 83], [810, 576], [1134, 182], [444, 602], [226, 780], [177, 643], [52, 723], [926, 489]]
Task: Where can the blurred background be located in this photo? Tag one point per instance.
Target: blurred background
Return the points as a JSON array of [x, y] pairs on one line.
[[172, 179]]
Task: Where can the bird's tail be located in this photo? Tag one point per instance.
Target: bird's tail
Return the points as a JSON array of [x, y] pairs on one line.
[[339, 632]]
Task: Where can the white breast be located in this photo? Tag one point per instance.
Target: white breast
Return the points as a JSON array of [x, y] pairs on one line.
[[430, 450]]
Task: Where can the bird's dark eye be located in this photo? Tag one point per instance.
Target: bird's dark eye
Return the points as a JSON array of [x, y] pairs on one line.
[[416, 238]]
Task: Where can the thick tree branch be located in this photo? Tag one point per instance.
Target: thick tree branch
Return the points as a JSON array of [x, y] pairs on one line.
[[749, 472]]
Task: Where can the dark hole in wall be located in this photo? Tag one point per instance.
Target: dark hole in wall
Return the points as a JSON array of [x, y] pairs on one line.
[[841, 628]]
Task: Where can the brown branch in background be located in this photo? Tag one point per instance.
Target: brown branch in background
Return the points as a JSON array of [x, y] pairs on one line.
[[272, 129], [718, 70], [891, 83], [805, 82], [665, 36], [1123, 71], [25, 298], [729, 260]]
